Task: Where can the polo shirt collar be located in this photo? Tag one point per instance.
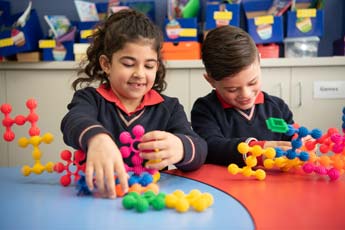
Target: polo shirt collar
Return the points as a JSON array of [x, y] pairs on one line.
[[152, 97], [259, 100]]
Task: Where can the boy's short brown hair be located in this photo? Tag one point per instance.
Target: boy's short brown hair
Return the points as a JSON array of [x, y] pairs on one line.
[[226, 51]]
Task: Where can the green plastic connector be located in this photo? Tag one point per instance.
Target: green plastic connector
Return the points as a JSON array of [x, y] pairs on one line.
[[277, 125]]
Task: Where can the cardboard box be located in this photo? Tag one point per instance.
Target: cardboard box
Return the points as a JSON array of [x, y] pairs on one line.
[[29, 57], [181, 30], [219, 14], [181, 51], [79, 50], [21, 39]]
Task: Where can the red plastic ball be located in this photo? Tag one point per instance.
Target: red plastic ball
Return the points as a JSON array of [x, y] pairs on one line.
[[6, 108], [20, 120], [65, 180], [79, 155], [31, 103], [66, 155], [9, 136], [7, 122], [34, 131], [33, 117]]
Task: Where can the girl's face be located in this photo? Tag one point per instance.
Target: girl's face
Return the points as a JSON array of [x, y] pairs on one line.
[[241, 89], [131, 72]]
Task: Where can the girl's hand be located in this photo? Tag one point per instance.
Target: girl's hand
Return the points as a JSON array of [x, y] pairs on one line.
[[163, 146], [103, 158], [284, 145]]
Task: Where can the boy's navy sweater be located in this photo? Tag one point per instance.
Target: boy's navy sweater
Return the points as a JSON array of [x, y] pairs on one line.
[[89, 108], [224, 128]]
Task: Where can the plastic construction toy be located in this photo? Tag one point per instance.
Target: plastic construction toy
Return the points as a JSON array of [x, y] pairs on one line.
[[277, 125], [251, 160], [66, 155], [141, 203], [132, 151], [35, 141], [182, 202], [8, 122]]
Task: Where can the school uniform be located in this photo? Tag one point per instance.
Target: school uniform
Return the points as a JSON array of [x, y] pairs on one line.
[[93, 111], [224, 127]]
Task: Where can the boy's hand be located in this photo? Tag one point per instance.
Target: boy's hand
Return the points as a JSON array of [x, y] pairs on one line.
[[163, 146], [284, 145], [103, 159]]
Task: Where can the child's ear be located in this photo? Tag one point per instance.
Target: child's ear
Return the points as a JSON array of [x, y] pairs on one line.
[[209, 79], [104, 63]]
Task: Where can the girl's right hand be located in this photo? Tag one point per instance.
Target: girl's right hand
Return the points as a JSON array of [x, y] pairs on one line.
[[103, 159]]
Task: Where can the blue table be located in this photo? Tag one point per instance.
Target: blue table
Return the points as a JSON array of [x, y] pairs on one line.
[[40, 202]]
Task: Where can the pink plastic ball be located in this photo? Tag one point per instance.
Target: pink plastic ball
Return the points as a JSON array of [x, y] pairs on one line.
[[333, 174], [125, 137], [125, 151], [138, 131], [308, 168]]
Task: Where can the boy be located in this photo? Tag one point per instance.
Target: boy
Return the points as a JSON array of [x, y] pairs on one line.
[[236, 110]]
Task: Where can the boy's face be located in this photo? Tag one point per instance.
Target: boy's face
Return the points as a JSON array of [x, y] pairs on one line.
[[240, 90]]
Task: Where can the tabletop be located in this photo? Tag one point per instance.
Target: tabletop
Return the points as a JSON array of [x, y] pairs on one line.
[[40, 202], [284, 200]]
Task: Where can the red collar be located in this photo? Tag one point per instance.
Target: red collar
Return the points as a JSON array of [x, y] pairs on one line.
[[152, 97], [259, 100]]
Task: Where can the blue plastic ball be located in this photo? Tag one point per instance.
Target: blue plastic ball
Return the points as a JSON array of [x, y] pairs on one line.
[[303, 131], [316, 133], [290, 154], [297, 143], [303, 156]]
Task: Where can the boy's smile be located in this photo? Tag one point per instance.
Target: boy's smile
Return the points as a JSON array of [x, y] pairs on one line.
[[240, 90]]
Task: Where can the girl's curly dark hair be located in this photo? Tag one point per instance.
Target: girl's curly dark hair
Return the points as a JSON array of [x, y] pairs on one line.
[[111, 36]]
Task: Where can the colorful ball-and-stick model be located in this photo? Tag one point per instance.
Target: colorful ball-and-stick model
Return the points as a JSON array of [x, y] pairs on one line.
[[182, 202], [8, 122], [141, 203], [126, 151], [251, 160], [35, 141], [77, 162]]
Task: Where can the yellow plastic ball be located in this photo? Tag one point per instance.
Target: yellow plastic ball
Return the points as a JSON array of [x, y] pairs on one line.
[[270, 153], [233, 169], [256, 150], [260, 174], [170, 200], [182, 205], [156, 177], [26, 170], [268, 163], [23, 142], [243, 147], [251, 161]]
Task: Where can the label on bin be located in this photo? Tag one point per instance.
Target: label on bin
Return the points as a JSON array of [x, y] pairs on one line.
[[264, 20], [306, 13], [6, 42]]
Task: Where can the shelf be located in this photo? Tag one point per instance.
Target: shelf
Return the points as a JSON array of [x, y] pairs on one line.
[[184, 64]]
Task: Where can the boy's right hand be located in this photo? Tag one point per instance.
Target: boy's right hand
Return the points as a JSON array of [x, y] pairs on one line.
[[284, 145], [103, 159]]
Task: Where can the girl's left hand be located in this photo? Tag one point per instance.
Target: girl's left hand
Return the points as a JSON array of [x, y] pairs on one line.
[[163, 148]]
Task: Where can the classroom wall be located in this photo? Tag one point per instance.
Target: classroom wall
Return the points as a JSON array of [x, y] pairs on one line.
[[334, 16]]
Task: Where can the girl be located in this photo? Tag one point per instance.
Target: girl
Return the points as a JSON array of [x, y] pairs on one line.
[[125, 59]]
